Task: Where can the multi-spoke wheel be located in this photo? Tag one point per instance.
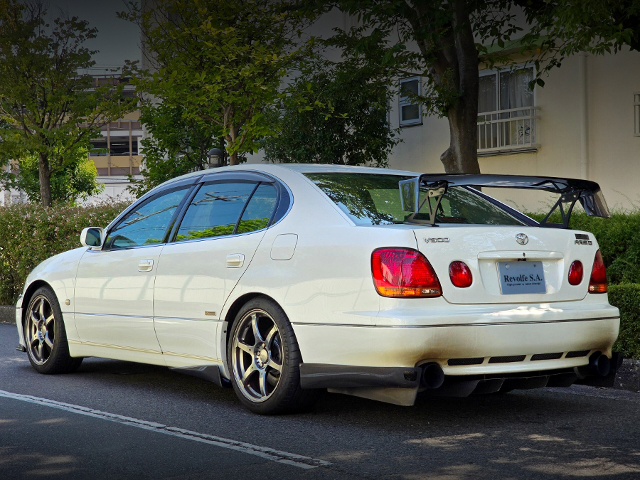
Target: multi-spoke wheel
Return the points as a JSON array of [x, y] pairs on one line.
[[45, 335], [264, 360], [40, 331], [257, 355]]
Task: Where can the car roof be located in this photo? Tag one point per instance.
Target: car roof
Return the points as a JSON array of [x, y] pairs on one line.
[[324, 168], [301, 168]]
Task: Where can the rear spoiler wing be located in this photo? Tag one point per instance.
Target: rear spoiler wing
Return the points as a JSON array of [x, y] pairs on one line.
[[570, 190]]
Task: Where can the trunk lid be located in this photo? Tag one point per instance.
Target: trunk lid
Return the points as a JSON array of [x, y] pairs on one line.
[[484, 247]]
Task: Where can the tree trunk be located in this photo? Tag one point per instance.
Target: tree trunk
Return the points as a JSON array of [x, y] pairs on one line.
[[44, 175], [462, 154], [231, 138], [453, 63]]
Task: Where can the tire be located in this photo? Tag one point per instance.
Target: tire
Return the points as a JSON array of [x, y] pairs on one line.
[[45, 335], [265, 367]]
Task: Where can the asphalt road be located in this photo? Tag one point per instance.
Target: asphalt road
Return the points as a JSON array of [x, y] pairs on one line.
[[123, 420]]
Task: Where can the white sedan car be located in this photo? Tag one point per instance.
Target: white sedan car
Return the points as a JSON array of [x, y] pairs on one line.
[[286, 280]]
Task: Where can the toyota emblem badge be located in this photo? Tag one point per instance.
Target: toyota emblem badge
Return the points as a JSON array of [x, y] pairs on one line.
[[522, 239]]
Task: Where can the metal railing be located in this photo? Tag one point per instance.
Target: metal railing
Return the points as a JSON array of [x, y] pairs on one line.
[[512, 129]]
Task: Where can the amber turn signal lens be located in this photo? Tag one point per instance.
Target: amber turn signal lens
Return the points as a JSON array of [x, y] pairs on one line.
[[403, 272], [598, 280]]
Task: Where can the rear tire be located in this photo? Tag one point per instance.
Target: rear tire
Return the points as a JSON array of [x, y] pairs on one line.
[[264, 361], [45, 335]]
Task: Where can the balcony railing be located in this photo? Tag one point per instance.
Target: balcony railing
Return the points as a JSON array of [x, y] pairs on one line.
[[503, 131]]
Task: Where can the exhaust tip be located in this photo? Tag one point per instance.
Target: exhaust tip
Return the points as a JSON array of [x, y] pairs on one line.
[[432, 375], [600, 364]]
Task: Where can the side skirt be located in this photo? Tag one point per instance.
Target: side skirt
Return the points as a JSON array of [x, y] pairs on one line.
[[210, 373]]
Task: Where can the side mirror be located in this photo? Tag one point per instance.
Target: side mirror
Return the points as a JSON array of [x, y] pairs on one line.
[[91, 237]]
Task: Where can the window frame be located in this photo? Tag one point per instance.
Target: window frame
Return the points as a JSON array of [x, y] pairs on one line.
[[284, 202], [174, 232], [403, 102]]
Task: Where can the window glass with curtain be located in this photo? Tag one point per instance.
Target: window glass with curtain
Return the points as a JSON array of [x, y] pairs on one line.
[[504, 95]]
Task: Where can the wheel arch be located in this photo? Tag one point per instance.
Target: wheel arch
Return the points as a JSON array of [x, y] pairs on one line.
[[31, 289]]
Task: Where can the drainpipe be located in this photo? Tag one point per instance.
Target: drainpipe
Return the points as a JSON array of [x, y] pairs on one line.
[[584, 117]]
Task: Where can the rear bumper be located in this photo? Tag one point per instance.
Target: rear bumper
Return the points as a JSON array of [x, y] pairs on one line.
[[463, 349], [353, 379]]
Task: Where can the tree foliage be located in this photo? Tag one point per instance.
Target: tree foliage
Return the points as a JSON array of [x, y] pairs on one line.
[[49, 109], [77, 180], [335, 113], [221, 62], [177, 144]]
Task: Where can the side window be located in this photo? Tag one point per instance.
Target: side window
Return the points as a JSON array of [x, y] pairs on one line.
[[259, 210], [215, 210], [147, 224]]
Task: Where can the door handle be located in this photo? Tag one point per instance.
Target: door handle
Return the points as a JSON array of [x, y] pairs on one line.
[[145, 265], [235, 260]]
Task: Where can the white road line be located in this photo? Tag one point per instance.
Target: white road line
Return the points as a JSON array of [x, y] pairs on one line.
[[263, 452]]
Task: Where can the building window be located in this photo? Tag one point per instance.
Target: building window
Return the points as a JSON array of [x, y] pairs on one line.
[[116, 152], [410, 112], [506, 111], [636, 113]]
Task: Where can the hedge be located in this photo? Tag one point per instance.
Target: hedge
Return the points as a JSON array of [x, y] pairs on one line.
[[30, 233], [627, 298]]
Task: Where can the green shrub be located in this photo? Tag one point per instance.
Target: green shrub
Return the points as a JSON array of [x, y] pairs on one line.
[[627, 298], [619, 240], [30, 233]]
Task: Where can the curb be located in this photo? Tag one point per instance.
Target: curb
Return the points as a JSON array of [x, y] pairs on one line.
[[628, 377], [8, 314]]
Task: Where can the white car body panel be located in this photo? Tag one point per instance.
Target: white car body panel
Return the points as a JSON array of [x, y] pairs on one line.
[[59, 272], [194, 279], [316, 264], [481, 247], [114, 299]]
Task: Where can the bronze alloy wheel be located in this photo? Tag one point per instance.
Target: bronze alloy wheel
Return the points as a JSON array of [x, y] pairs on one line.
[[264, 360], [40, 329], [257, 355], [45, 336]]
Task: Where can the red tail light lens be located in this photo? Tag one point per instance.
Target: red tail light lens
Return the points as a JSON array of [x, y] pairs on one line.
[[575, 273], [598, 280], [402, 272], [460, 274]]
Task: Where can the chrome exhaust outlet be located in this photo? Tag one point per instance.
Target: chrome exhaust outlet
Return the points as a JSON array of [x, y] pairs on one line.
[[432, 375]]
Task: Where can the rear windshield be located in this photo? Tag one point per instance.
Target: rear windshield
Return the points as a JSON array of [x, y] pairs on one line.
[[374, 199]]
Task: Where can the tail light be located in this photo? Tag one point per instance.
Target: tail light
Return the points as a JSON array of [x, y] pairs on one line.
[[403, 272], [575, 273], [598, 280], [460, 274]]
